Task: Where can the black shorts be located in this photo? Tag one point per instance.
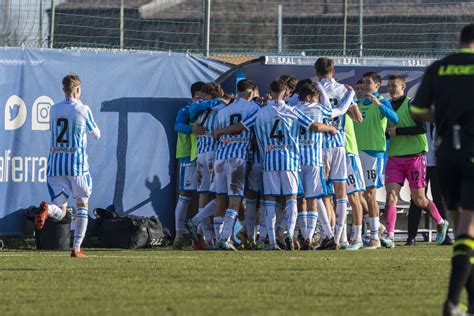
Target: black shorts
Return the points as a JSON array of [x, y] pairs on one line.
[[456, 174]]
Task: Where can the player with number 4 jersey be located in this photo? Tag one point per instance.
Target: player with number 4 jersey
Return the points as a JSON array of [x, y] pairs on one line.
[[277, 128]]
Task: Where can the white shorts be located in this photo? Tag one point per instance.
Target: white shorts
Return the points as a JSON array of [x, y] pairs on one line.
[[372, 168], [187, 175], [62, 187], [280, 183], [254, 177], [230, 176], [312, 179], [334, 160], [205, 172], [355, 175]]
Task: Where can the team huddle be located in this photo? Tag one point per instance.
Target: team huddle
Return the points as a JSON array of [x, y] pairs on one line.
[[303, 153], [287, 164]]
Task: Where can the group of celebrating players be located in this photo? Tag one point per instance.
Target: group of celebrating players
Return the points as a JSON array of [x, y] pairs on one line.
[[302, 152]]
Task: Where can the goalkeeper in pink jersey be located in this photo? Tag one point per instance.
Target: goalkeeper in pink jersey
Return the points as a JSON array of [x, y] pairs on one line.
[[407, 160]]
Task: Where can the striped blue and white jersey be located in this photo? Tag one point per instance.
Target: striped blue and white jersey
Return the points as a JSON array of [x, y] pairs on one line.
[[236, 145], [208, 119], [255, 156], [311, 142], [335, 91], [277, 128], [70, 120]]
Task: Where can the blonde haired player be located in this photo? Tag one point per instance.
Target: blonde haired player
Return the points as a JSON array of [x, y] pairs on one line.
[[68, 168]]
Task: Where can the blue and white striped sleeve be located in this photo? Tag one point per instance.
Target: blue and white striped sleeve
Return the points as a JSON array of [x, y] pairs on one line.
[[201, 106], [91, 125], [304, 120], [249, 121], [326, 112]]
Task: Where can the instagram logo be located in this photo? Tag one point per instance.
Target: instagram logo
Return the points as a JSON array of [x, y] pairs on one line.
[[40, 113]]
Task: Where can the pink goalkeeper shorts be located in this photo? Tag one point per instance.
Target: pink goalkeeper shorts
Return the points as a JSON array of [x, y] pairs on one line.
[[412, 168]]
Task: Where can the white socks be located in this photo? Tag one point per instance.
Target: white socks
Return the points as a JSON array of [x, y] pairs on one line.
[[303, 223], [204, 212], [312, 219], [80, 227], [251, 218], [56, 212], [292, 213], [270, 220], [323, 218], [180, 214], [341, 214], [262, 229], [218, 226], [374, 223], [356, 235], [344, 234], [229, 221]]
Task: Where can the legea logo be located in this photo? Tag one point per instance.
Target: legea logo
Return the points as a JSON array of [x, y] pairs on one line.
[[15, 113]]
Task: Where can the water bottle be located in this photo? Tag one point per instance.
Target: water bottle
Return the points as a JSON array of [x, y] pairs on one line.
[[457, 136]]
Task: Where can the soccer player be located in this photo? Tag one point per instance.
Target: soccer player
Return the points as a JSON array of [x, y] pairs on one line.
[[407, 160], [359, 91], [68, 168], [231, 157], [334, 153], [448, 85], [186, 153], [370, 135], [254, 186], [204, 112], [355, 184], [294, 99], [277, 128], [252, 194], [291, 81], [311, 146], [432, 178]]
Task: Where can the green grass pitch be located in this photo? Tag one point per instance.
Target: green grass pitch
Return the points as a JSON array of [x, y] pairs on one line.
[[404, 281]]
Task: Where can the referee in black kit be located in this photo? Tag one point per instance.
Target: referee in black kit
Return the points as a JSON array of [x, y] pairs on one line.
[[448, 85]]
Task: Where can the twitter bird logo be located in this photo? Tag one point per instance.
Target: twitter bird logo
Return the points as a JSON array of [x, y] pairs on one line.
[[15, 113]]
